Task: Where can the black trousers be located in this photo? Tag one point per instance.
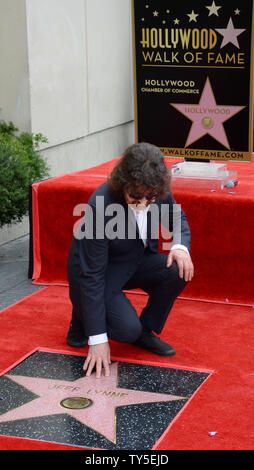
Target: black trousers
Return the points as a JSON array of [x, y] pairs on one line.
[[162, 284]]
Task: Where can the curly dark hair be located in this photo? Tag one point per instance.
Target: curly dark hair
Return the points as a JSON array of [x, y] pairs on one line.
[[142, 165]]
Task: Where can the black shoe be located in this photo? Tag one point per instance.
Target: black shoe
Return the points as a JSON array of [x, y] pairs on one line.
[[76, 338], [149, 341]]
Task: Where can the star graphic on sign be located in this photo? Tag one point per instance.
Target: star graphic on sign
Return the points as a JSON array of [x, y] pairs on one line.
[[192, 16], [176, 21], [213, 9], [155, 13], [207, 117], [90, 401], [237, 11], [230, 34]]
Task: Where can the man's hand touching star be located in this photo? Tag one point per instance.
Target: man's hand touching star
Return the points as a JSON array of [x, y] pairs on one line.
[[98, 357]]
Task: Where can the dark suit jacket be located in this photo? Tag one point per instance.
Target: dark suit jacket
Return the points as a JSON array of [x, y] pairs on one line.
[[96, 264]]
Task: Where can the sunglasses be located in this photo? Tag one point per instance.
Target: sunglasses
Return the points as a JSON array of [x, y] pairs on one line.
[[139, 196]]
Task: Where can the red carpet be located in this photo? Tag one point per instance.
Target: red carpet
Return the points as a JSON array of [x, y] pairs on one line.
[[206, 336], [221, 223]]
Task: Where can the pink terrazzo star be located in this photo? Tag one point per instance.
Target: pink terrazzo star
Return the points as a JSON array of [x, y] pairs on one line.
[[207, 117], [104, 394]]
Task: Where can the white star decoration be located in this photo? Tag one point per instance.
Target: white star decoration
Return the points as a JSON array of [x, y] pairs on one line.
[[230, 34], [213, 9], [192, 16]]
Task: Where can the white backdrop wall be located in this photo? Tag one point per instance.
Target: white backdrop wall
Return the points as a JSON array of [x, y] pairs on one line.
[[80, 67], [66, 71], [14, 73]]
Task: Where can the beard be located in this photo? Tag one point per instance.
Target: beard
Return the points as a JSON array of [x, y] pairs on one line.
[[138, 207]]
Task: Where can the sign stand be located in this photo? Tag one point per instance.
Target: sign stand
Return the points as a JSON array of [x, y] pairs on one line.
[[193, 76]]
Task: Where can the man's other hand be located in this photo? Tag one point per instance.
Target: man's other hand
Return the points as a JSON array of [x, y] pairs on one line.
[[184, 263]]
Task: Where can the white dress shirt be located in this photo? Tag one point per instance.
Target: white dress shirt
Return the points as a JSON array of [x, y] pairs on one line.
[[141, 218]]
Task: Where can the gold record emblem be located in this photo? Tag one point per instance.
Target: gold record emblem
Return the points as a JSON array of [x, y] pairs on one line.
[[207, 122], [76, 403]]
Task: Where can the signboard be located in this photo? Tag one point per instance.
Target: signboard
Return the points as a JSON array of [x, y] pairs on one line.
[[193, 77]]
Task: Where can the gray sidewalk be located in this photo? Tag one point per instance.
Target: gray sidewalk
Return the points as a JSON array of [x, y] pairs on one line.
[[14, 282]]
